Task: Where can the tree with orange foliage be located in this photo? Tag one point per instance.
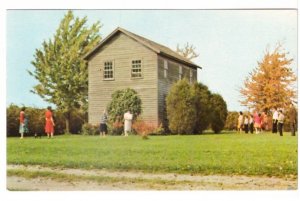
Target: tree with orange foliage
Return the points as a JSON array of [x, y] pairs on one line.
[[270, 84]]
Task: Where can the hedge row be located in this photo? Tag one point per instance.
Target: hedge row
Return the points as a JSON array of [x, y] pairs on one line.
[[36, 121]]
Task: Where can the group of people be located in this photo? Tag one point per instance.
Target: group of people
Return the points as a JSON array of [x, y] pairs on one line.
[[250, 122], [260, 121], [49, 123], [127, 123]]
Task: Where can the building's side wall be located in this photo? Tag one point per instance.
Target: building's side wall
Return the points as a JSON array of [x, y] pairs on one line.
[[165, 83], [122, 50]]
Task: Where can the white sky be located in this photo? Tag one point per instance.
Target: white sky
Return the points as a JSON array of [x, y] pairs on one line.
[[230, 42]]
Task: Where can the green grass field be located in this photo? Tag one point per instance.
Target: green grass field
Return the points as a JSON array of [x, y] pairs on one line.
[[228, 154]]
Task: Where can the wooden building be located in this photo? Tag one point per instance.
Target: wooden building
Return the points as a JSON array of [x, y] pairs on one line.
[[126, 60]]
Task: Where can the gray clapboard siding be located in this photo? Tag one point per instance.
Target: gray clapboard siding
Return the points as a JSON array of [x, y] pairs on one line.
[[121, 47], [122, 50]]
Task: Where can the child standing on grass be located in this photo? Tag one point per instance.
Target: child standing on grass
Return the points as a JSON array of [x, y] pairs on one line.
[[103, 126], [257, 123]]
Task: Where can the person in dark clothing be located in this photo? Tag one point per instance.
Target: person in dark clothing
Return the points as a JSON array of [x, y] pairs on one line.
[[275, 121], [251, 125], [280, 122], [246, 124], [103, 126], [293, 119]]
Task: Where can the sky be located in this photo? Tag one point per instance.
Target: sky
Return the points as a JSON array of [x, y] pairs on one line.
[[229, 42]]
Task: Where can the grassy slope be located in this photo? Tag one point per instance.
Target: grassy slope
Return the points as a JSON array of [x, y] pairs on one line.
[[265, 154]]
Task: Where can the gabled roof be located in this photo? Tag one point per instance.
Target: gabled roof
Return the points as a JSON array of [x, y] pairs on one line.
[[157, 48]]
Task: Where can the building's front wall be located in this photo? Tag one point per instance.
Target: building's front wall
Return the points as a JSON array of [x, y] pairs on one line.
[[165, 81], [122, 50]]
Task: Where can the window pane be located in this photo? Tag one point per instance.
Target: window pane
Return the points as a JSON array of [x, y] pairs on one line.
[[108, 70], [136, 68]]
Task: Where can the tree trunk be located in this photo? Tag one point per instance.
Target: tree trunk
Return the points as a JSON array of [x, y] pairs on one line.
[[67, 126], [67, 118]]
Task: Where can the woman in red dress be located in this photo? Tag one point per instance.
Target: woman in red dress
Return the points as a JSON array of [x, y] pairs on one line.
[[49, 127]]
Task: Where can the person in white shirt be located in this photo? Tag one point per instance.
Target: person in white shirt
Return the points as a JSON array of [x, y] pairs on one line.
[[128, 122], [274, 121], [280, 122]]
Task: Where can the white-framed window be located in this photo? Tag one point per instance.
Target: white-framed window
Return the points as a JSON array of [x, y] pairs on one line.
[[136, 68], [191, 76], [165, 68], [108, 70], [180, 72]]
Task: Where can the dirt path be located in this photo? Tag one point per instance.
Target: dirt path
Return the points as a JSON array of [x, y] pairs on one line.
[[143, 181]]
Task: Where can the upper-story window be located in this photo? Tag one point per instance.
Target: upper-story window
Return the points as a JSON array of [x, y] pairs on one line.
[[191, 75], [165, 68], [108, 72], [136, 68], [180, 72]]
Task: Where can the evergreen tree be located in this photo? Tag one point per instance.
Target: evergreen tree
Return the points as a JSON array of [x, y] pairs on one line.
[[181, 111], [218, 112], [59, 65], [202, 107]]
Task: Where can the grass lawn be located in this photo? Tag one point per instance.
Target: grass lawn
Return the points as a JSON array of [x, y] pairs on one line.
[[228, 154]]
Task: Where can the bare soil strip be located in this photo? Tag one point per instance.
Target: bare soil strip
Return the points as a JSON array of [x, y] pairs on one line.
[[144, 181]]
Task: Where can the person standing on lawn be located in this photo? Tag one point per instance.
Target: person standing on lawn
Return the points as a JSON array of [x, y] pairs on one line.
[[49, 127], [274, 121], [293, 119], [22, 119], [240, 122], [251, 125], [103, 126], [128, 122], [246, 124], [257, 122], [280, 122]]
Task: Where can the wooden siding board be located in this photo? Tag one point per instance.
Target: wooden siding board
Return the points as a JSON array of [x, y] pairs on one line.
[[164, 84], [122, 50]]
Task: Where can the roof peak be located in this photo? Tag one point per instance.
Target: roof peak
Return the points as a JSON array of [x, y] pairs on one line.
[[156, 47]]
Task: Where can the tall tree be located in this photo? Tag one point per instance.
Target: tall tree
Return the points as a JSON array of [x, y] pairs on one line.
[[59, 66], [188, 51], [270, 84]]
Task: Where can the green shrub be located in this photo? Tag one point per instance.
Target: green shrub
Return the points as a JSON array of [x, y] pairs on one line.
[[231, 121], [12, 120], [219, 113], [202, 107], [181, 108], [122, 101]]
